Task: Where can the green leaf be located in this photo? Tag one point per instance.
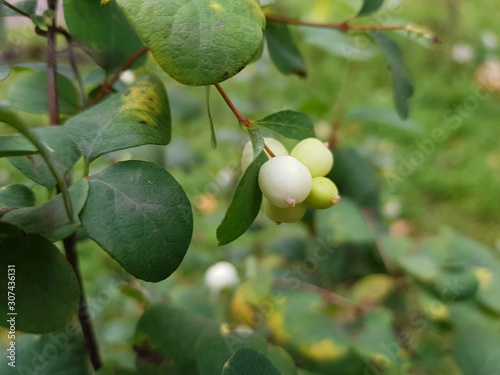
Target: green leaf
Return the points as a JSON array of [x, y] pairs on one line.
[[213, 135], [27, 6], [344, 223], [138, 213], [17, 195], [4, 69], [214, 348], [103, 31], [68, 354], [139, 116], [282, 49], [16, 145], [377, 329], [51, 215], [290, 124], [64, 156], [246, 361], [46, 289], [476, 348], [199, 42], [401, 81], [30, 94], [165, 339], [421, 266], [370, 6], [245, 204], [355, 178]]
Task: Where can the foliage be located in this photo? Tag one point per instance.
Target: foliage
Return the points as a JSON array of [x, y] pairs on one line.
[[333, 294]]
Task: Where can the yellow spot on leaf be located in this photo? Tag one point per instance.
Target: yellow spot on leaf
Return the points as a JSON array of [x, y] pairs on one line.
[[275, 322], [215, 5], [324, 350], [142, 102], [484, 276]]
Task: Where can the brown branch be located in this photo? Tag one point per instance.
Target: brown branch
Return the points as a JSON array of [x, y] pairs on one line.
[[52, 68], [106, 87], [15, 9], [346, 26], [242, 119], [83, 311]]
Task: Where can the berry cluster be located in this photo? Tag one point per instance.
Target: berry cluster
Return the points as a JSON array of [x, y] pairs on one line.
[[292, 182]]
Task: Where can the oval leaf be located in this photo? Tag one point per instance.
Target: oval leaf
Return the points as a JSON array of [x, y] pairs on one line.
[[30, 94], [139, 116], [290, 124], [17, 195], [370, 6], [138, 213], [70, 356], [199, 42], [401, 81], [246, 361], [103, 32], [282, 49], [64, 156], [245, 204], [46, 290], [52, 215]]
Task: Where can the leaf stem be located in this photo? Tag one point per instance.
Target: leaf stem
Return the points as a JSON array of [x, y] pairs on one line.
[[106, 87], [15, 9], [241, 119], [86, 169]]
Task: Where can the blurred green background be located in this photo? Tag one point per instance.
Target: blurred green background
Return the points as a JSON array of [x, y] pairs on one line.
[[453, 122]]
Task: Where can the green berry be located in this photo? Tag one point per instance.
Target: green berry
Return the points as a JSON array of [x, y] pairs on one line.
[[285, 181], [284, 215], [314, 155], [324, 193], [247, 155]]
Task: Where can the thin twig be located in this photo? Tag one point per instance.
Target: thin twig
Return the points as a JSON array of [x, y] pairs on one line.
[[241, 119], [52, 68], [106, 87], [70, 241], [346, 26], [15, 9], [83, 312]]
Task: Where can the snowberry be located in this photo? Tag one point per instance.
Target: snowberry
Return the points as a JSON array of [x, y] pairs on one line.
[[221, 275], [284, 215], [285, 181], [324, 193], [275, 146], [314, 155]]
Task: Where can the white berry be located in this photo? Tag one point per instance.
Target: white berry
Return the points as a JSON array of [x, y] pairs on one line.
[[285, 181]]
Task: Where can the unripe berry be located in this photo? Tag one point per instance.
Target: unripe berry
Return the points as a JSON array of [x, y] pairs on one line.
[[314, 155], [284, 215], [285, 181], [324, 193], [247, 155]]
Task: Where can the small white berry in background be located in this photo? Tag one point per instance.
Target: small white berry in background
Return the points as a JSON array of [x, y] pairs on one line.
[[128, 77], [462, 53], [221, 275]]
